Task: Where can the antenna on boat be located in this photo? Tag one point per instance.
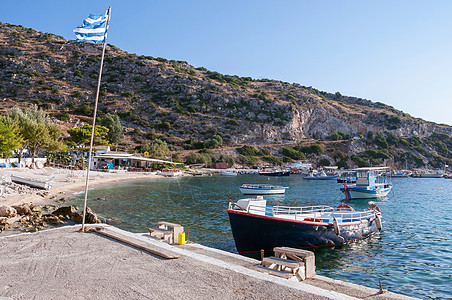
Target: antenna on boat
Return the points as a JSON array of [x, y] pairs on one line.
[[94, 120]]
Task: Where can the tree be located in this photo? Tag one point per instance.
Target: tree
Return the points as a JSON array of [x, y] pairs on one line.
[[81, 136], [9, 138], [215, 141], [156, 148], [115, 130], [36, 129]]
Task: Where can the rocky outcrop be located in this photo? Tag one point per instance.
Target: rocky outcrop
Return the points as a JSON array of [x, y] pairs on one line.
[[7, 211], [29, 217]]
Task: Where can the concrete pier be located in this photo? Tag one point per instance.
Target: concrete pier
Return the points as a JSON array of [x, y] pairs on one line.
[[64, 263]]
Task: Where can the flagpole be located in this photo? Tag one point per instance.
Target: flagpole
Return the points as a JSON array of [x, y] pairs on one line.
[[94, 120]]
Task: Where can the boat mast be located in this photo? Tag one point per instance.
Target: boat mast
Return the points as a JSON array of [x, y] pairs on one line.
[[94, 119]]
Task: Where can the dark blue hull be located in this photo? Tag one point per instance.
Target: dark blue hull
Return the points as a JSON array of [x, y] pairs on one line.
[[276, 173], [253, 233]]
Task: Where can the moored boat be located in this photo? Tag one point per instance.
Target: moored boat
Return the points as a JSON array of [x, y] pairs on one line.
[[436, 173], [400, 174], [320, 176], [274, 172], [170, 172], [368, 184], [256, 225], [262, 189], [228, 173], [33, 182]]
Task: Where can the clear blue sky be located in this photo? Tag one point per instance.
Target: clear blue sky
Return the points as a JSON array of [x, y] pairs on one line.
[[395, 52]]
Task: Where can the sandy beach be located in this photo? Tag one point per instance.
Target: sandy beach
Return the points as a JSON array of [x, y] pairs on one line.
[[65, 183]]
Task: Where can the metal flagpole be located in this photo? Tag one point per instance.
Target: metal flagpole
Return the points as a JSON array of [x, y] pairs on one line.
[[94, 121]]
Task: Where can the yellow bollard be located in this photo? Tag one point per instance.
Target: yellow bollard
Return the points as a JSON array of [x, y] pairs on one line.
[[182, 238]]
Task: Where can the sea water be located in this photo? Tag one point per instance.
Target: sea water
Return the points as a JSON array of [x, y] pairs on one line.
[[412, 255]]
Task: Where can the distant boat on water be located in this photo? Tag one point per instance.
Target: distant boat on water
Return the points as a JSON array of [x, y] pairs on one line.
[[436, 173], [274, 172], [400, 174], [262, 189], [228, 173], [320, 176], [170, 172]]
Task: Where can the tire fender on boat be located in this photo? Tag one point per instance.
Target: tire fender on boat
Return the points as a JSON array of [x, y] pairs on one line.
[[373, 207], [378, 221], [337, 231]]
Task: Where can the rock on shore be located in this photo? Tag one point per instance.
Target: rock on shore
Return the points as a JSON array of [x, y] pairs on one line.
[[30, 217]]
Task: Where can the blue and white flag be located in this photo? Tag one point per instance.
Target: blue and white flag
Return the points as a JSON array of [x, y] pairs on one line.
[[94, 29]]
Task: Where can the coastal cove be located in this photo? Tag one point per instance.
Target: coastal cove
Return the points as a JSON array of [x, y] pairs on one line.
[[411, 255]]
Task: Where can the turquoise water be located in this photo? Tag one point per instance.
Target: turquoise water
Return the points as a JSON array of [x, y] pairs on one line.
[[412, 255]]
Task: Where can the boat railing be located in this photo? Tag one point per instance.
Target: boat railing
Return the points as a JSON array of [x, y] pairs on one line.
[[325, 213], [289, 210]]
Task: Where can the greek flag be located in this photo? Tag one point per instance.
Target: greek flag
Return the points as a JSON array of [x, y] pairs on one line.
[[93, 29]]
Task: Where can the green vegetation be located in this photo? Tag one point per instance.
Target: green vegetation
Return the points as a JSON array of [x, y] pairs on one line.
[[157, 149], [128, 94], [248, 151], [316, 149], [324, 162], [115, 130], [338, 136], [277, 161], [9, 138], [199, 158], [79, 137], [36, 130], [292, 153]]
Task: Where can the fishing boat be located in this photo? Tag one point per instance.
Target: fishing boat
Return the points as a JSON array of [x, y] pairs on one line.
[[170, 172], [256, 225], [262, 189], [274, 172], [368, 184], [44, 184], [320, 176], [435, 173], [400, 174]]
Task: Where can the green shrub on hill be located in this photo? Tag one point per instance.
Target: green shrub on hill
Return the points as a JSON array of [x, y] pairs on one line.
[[292, 153], [324, 162], [277, 161], [248, 151], [316, 149], [338, 136]]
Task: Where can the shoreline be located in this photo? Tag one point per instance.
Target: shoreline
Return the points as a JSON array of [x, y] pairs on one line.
[[66, 184]]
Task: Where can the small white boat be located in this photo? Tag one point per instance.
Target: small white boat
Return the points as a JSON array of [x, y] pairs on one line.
[[33, 182], [170, 172], [228, 173], [262, 189], [320, 176]]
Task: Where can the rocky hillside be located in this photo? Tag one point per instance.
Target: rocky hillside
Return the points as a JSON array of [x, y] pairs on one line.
[[182, 104]]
